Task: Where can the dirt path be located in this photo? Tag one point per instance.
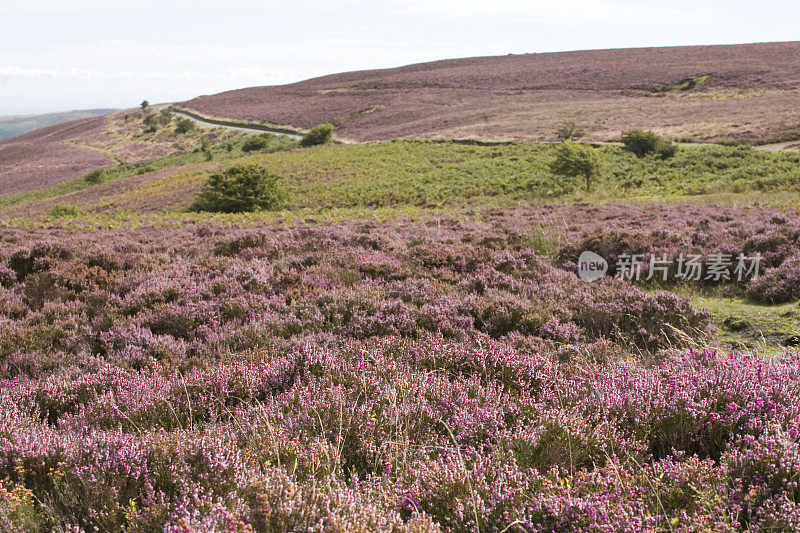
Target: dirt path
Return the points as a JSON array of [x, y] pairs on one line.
[[207, 124], [774, 147], [789, 145]]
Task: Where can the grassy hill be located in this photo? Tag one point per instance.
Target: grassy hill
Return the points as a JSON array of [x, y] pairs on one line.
[[405, 176]]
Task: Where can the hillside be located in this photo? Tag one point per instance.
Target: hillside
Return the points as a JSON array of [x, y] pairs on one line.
[[746, 91], [57, 154], [11, 126]]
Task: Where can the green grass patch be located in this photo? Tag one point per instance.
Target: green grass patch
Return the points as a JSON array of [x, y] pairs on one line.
[[455, 175], [745, 325], [426, 173]]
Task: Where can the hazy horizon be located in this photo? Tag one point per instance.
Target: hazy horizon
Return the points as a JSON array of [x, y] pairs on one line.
[[88, 54]]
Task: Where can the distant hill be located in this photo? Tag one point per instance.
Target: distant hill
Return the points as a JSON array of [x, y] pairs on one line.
[[11, 126], [749, 91]]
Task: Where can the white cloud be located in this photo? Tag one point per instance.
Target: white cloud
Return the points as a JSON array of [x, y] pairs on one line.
[[277, 75]]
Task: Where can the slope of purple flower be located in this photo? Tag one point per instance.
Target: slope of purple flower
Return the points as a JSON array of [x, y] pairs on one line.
[[370, 376], [614, 231]]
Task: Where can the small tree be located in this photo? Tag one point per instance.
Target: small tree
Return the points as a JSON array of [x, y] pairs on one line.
[[184, 126], [240, 188], [322, 134], [642, 143], [575, 160], [145, 104], [570, 131]]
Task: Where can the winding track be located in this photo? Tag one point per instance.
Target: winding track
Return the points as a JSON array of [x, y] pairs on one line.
[[773, 147], [207, 124]]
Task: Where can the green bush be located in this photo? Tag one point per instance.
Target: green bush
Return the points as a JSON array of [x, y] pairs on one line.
[[322, 134], [643, 143], [570, 131], [667, 150], [61, 211], [95, 176], [184, 126], [155, 120], [255, 143], [575, 160], [238, 189], [205, 147]]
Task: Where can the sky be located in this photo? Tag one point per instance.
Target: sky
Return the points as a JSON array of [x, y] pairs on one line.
[[58, 55]]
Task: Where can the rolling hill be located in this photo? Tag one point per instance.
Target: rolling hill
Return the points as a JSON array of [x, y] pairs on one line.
[[56, 154], [11, 126], [749, 92]]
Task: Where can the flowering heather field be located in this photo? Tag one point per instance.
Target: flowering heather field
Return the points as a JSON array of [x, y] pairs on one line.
[[671, 231], [374, 376], [42, 158]]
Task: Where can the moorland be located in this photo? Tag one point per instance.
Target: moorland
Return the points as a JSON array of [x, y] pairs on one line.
[[400, 340]]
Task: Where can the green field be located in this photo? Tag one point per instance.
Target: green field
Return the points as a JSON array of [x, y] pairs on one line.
[[444, 175]]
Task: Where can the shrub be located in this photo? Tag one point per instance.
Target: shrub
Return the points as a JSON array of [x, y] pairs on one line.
[[95, 176], [238, 189], [728, 141], [59, 211], [255, 143], [667, 150], [156, 120], [570, 131], [576, 160], [184, 126], [322, 134], [206, 149], [778, 285], [643, 143]]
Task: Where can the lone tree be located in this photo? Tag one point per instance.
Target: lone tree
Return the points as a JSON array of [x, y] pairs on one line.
[[145, 104], [570, 131], [238, 189], [575, 160], [322, 134], [642, 143]]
